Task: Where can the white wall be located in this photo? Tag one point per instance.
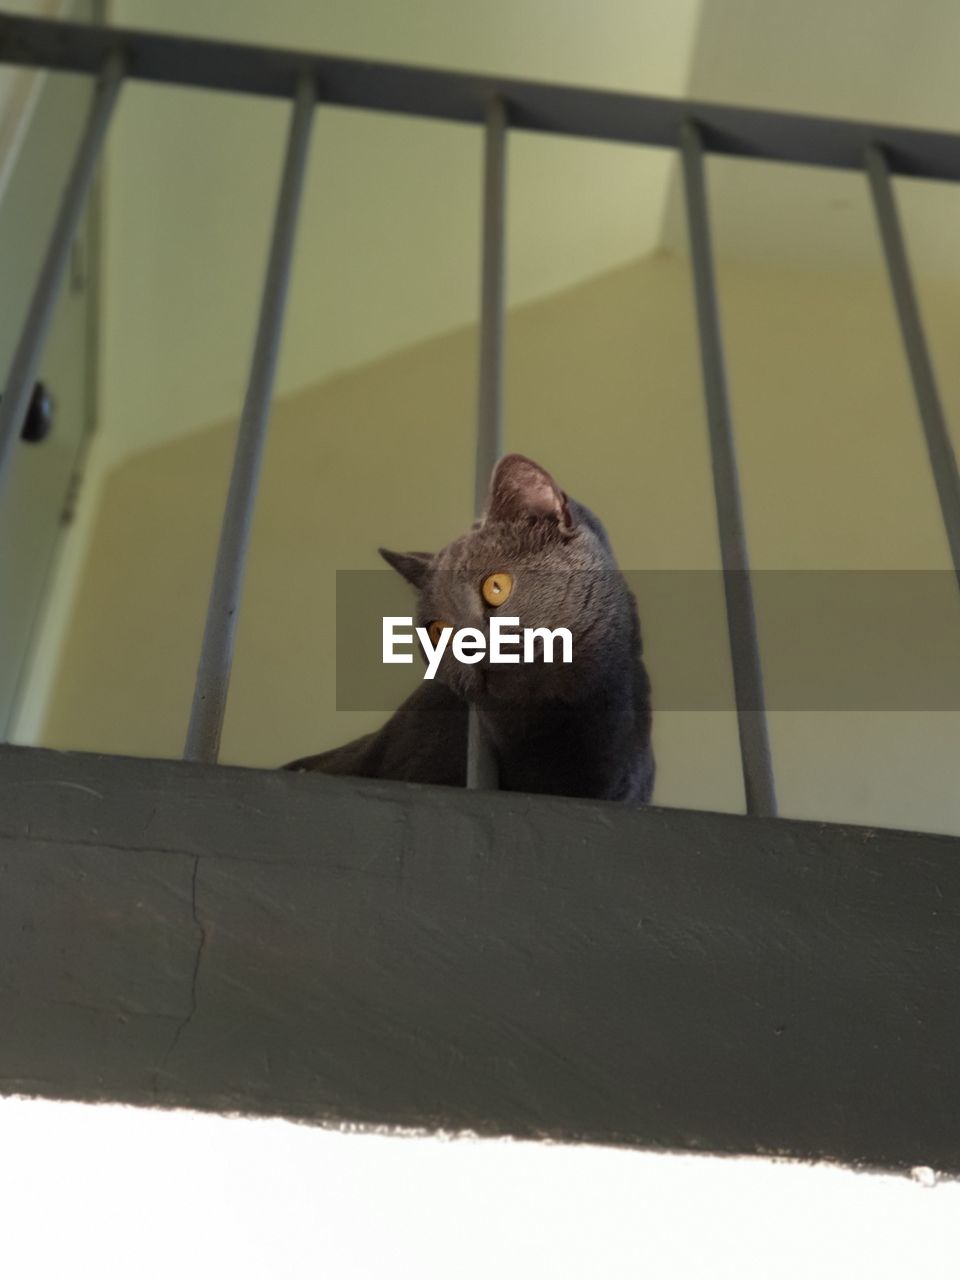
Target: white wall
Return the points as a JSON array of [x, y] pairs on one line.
[[388, 249], [889, 61], [388, 252], [19, 87], [111, 1192]]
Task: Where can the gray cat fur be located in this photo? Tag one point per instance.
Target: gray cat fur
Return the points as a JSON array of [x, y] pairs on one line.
[[577, 729]]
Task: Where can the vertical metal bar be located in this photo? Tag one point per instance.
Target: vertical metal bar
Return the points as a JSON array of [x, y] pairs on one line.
[[741, 621], [216, 654], [490, 384], [18, 387], [481, 759], [943, 460]]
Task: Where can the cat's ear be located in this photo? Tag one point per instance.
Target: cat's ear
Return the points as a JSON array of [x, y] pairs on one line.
[[412, 565], [521, 488]]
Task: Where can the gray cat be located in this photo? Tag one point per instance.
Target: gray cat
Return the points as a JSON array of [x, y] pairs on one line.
[[573, 729]]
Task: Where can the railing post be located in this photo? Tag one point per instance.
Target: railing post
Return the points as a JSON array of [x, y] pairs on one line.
[[216, 655], [741, 621], [18, 386], [481, 759], [943, 460]]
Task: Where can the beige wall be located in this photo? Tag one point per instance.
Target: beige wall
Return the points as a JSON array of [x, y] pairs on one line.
[[603, 387]]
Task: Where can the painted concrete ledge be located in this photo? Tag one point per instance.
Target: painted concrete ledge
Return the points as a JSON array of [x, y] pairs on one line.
[[341, 950]]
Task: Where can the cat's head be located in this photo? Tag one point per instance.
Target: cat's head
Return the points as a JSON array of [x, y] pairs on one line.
[[538, 555]]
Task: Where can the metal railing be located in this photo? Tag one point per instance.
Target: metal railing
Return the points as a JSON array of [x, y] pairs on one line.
[[498, 105]]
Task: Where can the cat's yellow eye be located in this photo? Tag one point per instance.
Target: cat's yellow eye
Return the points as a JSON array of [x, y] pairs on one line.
[[436, 630], [496, 589]]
